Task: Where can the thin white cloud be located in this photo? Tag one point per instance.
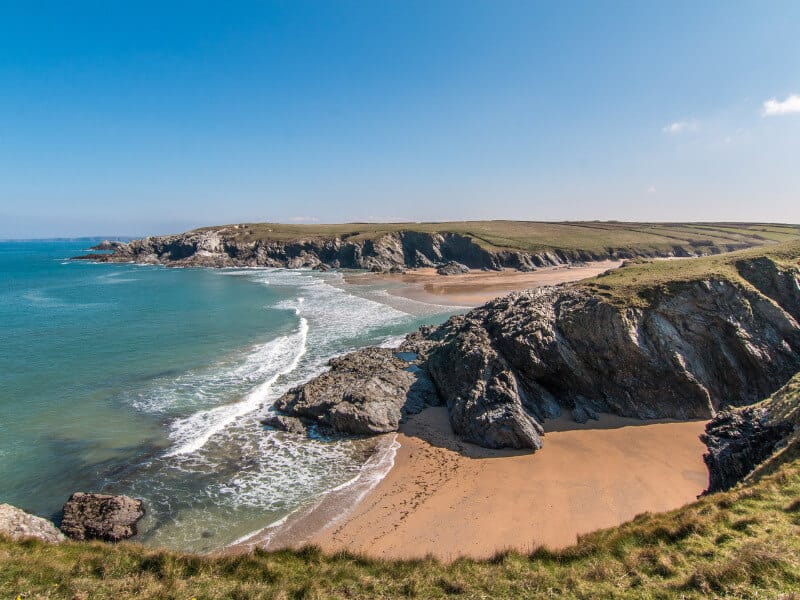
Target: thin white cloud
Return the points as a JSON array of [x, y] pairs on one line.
[[651, 189], [303, 220], [774, 107], [680, 127]]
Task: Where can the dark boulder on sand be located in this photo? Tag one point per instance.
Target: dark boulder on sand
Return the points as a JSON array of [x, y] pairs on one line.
[[101, 517], [452, 268]]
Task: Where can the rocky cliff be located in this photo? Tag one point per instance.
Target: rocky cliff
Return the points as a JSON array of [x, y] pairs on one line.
[[387, 251], [683, 349], [752, 440]]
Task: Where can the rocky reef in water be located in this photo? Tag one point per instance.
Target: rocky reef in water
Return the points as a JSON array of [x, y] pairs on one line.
[[386, 252], [696, 346]]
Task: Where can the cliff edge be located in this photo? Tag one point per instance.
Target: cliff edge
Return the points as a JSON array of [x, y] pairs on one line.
[[664, 339]]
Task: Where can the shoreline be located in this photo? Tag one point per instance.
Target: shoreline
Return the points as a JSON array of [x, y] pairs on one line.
[[476, 287], [299, 526], [446, 498]]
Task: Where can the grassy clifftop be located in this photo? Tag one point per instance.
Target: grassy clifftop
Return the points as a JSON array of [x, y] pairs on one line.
[[532, 236], [635, 282], [743, 543]]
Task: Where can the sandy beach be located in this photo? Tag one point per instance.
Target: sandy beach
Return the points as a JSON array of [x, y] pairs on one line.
[[476, 287], [449, 499], [430, 493]]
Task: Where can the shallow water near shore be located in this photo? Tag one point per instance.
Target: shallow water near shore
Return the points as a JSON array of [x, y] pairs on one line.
[[150, 381]]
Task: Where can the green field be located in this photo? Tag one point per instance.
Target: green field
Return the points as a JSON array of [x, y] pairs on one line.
[[530, 236]]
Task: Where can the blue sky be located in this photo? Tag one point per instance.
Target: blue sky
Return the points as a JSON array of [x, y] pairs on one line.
[[152, 117]]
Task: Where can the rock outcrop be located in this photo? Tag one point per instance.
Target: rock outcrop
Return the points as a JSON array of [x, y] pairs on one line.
[[746, 441], [452, 267], [232, 246], [101, 517], [284, 423], [108, 245], [738, 441], [19, 525], [695, 347], [365, 392]]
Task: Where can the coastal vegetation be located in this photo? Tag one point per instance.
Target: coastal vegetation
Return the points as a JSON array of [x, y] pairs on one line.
[[639, 281], [394, 247], [533, 236]]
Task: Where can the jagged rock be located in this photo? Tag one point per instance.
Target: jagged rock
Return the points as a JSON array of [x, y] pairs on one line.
[[738, 441], [19, 525], [502, 369], [233, 246], [364, 392], [284, 423], [452, 268], [107, 245], [100, 516]]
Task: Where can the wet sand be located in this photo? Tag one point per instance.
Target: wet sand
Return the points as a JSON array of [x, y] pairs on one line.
[[476, 287], [449, 499]]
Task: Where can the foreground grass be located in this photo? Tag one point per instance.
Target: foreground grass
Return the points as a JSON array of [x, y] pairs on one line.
[[595, 237], [744, 543]]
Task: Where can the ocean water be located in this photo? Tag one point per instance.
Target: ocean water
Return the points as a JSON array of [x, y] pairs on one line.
[[150, 382]]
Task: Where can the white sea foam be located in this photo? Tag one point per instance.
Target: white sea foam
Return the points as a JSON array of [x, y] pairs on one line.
[[238, 468], [329, 319], [344, 497], [192, 433]]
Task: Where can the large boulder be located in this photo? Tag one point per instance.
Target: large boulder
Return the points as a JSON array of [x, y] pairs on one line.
[[364, 392], [452, 268], [19, 525], [101, 517]]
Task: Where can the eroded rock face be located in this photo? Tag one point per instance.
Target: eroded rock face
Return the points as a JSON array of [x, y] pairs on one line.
[[504, 368], [101, 517], [364, 392], [19, 525], [391, 252], [738, 441]]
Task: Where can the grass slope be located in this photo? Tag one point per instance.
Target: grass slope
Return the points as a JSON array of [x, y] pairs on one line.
[[637, 281], [743, 543], [543, 236]]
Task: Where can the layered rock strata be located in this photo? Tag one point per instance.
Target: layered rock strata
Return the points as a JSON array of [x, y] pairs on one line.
[[502, 369], [394, 251]]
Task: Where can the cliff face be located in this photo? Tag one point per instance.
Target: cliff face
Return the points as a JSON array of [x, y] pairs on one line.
[[753, 440], [504, 368], [390, 251]]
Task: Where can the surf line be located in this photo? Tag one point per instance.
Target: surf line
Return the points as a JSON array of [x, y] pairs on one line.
[[222, 416]]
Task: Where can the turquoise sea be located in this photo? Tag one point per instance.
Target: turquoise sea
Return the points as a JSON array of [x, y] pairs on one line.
[[150, 381]]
